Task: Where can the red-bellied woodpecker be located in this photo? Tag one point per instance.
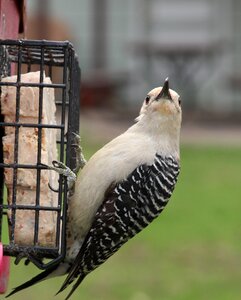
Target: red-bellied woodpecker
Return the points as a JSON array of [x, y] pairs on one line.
[[122, 188]]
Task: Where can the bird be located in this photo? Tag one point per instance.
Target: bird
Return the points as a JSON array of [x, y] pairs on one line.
[[121, 189]]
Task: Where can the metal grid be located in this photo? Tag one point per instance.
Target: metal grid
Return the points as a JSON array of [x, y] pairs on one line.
[[19, 56]]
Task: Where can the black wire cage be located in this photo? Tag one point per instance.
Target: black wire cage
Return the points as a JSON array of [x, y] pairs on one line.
[[58, 61]]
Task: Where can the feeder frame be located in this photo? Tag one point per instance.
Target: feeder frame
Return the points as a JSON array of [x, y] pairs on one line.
[[45, 55]]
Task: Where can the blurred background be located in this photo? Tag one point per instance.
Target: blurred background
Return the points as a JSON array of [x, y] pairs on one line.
[[125, 48]]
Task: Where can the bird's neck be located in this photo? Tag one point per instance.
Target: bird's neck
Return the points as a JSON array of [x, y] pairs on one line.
[[164, 133]]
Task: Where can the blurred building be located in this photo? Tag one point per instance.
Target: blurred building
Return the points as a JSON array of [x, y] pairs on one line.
[[125, 47]]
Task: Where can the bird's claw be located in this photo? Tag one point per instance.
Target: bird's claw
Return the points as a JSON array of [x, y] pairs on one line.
[[62, 169], [80, 160]]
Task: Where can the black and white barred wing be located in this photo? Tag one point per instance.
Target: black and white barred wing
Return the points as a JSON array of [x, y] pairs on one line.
[[128, 207], [152, 194]]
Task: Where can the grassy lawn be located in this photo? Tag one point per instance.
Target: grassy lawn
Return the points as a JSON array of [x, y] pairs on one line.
[[191, 252]]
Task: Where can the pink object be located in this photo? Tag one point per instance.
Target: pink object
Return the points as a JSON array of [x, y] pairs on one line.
[[4, 270]]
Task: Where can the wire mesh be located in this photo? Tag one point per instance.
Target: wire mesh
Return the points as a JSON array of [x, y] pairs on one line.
[[58, 61]]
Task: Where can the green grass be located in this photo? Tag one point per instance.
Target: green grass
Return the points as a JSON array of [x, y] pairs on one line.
[[191, 252]]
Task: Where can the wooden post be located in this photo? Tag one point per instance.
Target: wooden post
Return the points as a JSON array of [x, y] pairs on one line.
[[12, 14]]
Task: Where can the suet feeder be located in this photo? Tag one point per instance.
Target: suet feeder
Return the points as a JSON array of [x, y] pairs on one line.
[[58, 61]]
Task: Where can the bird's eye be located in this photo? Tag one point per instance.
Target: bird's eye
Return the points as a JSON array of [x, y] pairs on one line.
[[180, 101], [147, 100]]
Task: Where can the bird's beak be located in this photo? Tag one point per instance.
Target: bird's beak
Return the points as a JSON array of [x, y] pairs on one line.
[[165, 93]]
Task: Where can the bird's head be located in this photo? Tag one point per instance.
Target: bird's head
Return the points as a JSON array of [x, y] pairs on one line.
[[160, 117], [162, 105]]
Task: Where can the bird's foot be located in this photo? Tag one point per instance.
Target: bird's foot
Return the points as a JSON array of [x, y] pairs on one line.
[[80, 159], [62, 169]]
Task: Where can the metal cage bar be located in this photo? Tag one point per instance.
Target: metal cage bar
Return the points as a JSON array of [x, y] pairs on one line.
[[42, 56], [16, 143]]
